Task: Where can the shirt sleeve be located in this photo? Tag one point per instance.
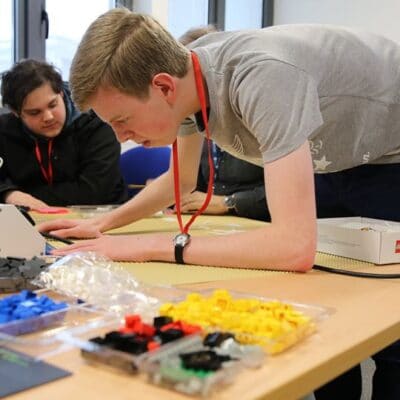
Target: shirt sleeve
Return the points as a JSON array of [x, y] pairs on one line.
[[6, 184], [252, 204]]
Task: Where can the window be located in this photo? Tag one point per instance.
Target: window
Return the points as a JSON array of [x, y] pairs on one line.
[[180, 15], [6, 34], [243, 14], [68, 22], [186, 14]]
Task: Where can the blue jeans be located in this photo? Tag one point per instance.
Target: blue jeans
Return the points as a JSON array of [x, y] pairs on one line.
[[369, 191]]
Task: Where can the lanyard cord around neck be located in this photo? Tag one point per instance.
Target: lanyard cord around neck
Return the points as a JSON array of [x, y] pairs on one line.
[[47, 173], [202, 97]]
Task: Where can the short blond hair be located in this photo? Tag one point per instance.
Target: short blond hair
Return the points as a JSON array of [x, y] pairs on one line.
[[124, 50]]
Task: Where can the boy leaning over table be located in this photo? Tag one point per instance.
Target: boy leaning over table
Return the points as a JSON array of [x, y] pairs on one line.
[[295, 99]]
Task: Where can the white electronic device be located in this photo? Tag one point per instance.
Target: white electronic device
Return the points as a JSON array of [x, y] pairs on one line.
[[18, 237]]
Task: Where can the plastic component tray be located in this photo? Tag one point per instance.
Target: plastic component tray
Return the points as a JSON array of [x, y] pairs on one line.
[[274, 324], [29, 325], [42, 336]]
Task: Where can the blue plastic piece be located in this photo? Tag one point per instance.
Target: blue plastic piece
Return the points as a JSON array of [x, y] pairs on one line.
[[39, 310]]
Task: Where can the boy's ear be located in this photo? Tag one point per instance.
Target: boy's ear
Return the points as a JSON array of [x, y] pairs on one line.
[[166, 84]]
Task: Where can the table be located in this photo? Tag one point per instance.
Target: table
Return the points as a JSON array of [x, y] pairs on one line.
[[364, 319]]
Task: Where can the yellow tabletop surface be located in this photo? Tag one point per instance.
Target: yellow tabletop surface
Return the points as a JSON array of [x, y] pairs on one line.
[[363, 319], [172, 274]]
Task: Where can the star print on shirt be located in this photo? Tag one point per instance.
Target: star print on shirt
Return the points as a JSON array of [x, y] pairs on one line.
[[320, 165], [237, 145]]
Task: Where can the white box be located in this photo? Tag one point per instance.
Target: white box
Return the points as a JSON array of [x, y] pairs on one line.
[[367, 239], [18, 238]]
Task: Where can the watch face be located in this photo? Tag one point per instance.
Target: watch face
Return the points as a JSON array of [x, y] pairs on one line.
[[181, 239], [229, 201]]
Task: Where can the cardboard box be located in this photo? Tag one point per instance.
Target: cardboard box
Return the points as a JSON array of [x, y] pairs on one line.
[[366, 239]]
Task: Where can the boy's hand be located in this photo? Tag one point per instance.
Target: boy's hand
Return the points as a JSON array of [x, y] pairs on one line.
[[72, 228], [19, 198]]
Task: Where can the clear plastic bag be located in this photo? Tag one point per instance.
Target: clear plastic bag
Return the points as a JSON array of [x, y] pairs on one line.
[[94, 279]]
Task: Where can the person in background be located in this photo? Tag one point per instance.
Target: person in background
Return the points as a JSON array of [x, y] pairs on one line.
[[294, 99], [238, 185], [50, 154]]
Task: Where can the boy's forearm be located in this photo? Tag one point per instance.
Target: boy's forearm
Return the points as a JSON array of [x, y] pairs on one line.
[[263, 248], [154, 197]]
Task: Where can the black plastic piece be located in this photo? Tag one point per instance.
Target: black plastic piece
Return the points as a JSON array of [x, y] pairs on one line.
[[159, 322], [215, 339], [170, 335], [16, 273], [207, 360]]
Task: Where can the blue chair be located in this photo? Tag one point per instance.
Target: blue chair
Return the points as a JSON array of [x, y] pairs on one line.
[[142, 163]]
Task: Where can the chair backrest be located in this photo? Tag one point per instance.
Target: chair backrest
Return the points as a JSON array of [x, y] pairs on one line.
[[142, 163]]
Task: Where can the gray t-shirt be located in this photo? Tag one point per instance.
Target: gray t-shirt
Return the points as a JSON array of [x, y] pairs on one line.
[[272, 89]]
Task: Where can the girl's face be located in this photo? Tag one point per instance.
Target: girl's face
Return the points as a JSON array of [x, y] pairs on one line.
[[43, 111]]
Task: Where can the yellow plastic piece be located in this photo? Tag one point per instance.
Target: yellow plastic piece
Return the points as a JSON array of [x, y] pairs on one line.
[[272, 324]]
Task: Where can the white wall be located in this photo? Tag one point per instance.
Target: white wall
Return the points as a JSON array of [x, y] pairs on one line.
[[159, 10], [379, 16]]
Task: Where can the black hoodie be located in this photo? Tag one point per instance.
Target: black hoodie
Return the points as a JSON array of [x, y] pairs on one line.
[[85, 161]]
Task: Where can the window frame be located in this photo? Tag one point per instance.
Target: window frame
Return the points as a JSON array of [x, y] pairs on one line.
[[31, 23], [30, 28], [216, 13]]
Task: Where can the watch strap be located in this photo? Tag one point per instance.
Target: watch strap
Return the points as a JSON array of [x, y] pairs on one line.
[[180, 247], [179, 254]]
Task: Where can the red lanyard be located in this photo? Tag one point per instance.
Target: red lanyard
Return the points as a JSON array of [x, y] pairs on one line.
[[47, 174], [202, 97]]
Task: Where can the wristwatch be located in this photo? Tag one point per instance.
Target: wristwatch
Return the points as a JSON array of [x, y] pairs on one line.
[[230, 202], [180, 242]]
